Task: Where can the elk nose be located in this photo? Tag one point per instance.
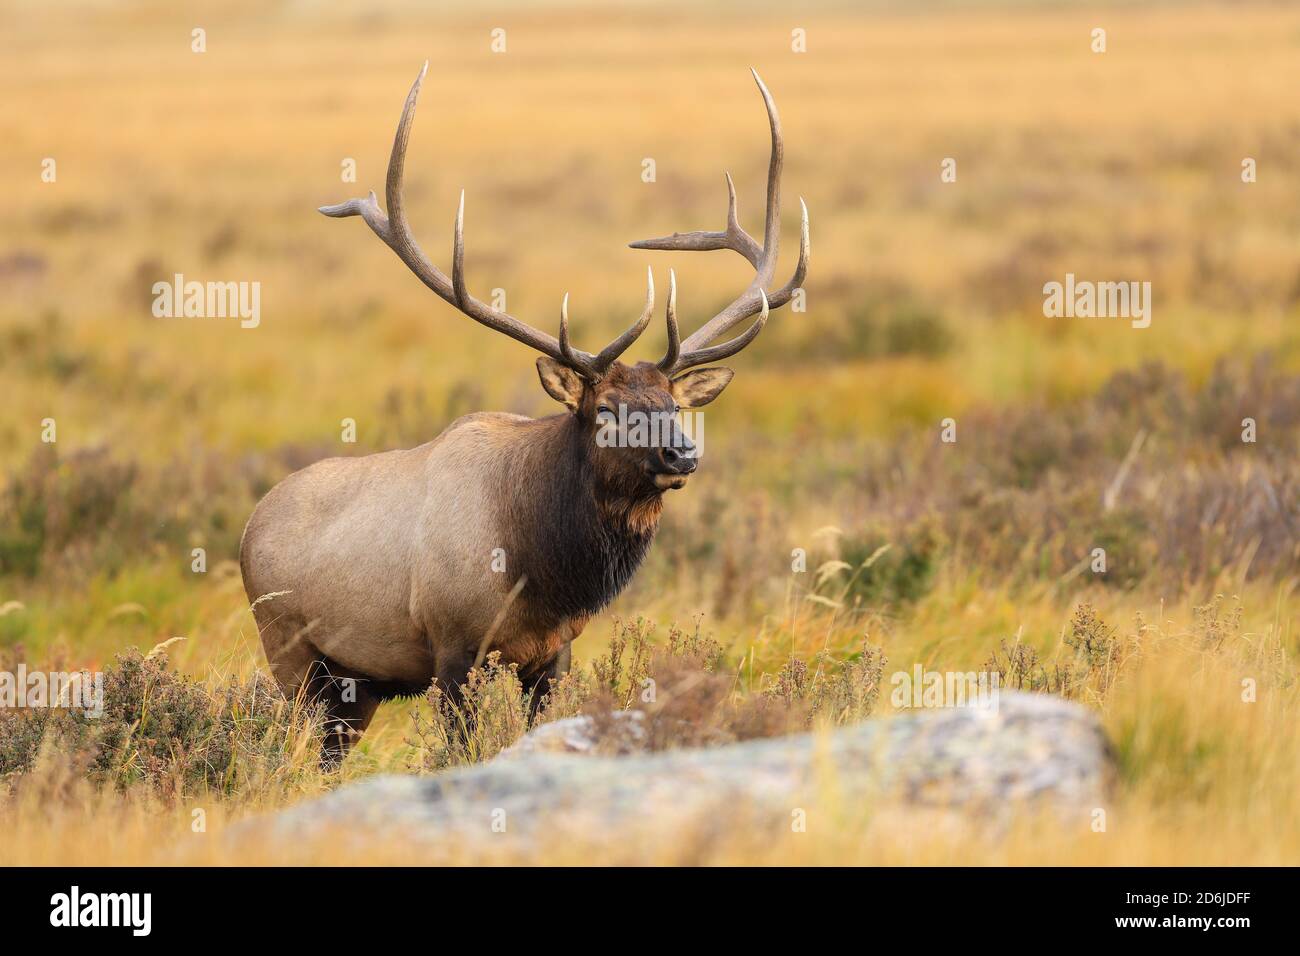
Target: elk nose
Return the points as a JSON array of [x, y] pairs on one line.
[[680, 458]]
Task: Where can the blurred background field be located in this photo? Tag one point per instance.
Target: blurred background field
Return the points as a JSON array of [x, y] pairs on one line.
[[924, 303]]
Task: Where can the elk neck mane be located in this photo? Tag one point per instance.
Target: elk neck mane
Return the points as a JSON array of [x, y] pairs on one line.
[[577, 534]]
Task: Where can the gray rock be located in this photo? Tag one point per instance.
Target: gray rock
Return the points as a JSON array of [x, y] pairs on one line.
[[1032, 751], [579, 735]]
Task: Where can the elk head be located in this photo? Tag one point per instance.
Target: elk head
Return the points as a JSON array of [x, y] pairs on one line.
[[598, 389]]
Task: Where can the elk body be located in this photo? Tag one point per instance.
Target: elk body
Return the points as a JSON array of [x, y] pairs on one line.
[[369, 577]]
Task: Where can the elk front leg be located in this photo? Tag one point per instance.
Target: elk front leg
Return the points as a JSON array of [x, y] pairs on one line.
[[538, 685], [452, 669], [349, 706]]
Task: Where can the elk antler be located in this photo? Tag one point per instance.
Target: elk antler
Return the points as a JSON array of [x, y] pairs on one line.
[[396, 234], [755, 300]]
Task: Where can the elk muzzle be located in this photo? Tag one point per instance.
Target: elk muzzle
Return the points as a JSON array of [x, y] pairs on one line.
[[676, 460]]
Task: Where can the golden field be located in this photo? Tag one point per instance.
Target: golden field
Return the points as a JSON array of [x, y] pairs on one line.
[[924, 303]]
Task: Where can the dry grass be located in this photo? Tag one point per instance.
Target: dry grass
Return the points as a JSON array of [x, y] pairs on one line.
[[1208, 777], [924, 303]]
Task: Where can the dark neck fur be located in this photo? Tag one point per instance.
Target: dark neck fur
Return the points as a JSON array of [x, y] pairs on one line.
[[578, 536]]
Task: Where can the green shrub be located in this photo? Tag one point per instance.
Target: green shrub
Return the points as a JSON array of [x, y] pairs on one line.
[[170, 733], [884, 573]]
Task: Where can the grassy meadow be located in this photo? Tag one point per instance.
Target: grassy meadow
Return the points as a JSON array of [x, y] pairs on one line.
[[924, 303]]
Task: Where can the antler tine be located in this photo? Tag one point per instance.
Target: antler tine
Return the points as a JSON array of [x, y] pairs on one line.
[[621, 344], [458, 255], [718, 352], [744, 307], [674, 345], [396, 233], [748, 302], [786, 292], [762, 258], [567, 353], [733, 237], [772, 221]]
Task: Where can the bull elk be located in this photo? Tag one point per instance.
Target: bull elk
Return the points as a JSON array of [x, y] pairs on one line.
[[369, 577]]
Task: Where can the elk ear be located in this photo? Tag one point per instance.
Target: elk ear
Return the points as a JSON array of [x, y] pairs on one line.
[[561, 382], [700, 386]]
